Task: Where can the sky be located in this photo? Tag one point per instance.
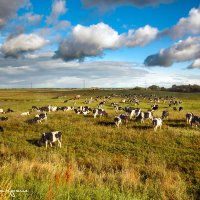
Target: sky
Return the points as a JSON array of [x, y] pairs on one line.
[[99, 43]]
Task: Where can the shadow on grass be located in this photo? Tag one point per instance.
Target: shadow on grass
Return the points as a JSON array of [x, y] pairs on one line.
[[176, 120], [139, 127], [34, 142], [176, 123], [106, 123]]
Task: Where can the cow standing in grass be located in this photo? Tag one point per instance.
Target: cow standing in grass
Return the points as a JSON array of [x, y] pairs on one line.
[[195, 121], [189, 117], [122, 118], [100, 112], [165, 114], [144, 115], [3, 118], [157, 122], [51, 137]]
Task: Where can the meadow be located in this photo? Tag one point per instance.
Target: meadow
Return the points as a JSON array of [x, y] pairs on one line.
[[98, 160]]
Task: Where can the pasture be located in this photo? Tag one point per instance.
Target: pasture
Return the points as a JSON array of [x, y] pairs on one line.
[[98, 160]]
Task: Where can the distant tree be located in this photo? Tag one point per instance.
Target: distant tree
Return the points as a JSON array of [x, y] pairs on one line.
[[154, 87]]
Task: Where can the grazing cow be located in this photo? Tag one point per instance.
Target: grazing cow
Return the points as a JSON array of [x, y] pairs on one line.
[[39, 118], [128, 110], [51, 137], [154, 107], [79, 111], [165, 114], [135, 113], [189, 117], [53, 108], [35, 108], [195, 120], [100, 112], [180, 108], [101, 103], [3, 118], [144, 115], [121, 118], [25, 113], [174, 108], [1, 129], [9, 110], [77, 97], [157, 122], [68, 108]]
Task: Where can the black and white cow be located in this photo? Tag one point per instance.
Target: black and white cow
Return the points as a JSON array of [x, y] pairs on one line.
[[40, 117], [128, 110], [144, 115], [3, 118], [135, 112], [35, 108], [195, 121], [122, 118], [100, 112], [157, 122], [154, 107], [1, 110], [65, 108], [189, 117], [180, 108], [51, 137], [45, 108], [9, 110], [165, 114]]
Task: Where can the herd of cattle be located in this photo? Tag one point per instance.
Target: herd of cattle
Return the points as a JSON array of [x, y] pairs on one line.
[[127, 113]]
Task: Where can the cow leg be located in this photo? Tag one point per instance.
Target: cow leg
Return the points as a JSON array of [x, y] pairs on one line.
[[50, 144], [46, 143], [59, 143]]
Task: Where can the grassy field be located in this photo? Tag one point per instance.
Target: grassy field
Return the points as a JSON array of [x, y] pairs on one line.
[[98, 160]]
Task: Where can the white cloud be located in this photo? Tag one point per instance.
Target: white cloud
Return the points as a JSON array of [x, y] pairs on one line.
[[185, 50], [189, 25], [22, 43], [141, 36], [33, 18], [93, 40], [195, 64], [58, 8]]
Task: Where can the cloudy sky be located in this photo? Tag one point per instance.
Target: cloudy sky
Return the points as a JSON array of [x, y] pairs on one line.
[[102, 43]]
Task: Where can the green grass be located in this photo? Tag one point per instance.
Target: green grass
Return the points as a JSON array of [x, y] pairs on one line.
[[98, 160]]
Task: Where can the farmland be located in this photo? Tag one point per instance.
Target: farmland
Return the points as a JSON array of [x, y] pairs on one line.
[[98, 160]]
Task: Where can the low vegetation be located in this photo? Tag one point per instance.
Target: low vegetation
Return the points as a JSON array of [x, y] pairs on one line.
[[98, 160]]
